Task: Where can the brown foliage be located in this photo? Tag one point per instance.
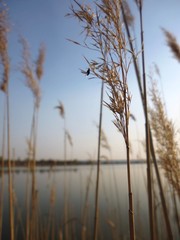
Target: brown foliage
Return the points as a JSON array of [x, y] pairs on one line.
[[165, 135]]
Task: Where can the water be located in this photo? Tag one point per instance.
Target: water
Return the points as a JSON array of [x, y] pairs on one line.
[[64, 203]]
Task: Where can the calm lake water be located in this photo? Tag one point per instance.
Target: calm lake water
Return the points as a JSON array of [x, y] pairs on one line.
[[65, 201]]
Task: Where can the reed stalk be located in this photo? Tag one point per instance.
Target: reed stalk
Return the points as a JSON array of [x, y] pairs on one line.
[[4, 86], [176, 211], [138, 77], [2, 171], [61, 109], [33, 74], [167, 146], [172, 43], [104, 30], [51, 216], [9, 169], [85, 207], [68, 137], [149, 167], [27, 206], [131, 207], [96, 215], [165, 135]]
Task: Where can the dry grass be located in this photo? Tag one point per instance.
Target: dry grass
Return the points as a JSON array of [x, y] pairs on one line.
[[67, 136], [40, 61], [165, 135], [61, 109], [27, 69], [104, 33], [172, 43], [4, 59], [167, 150], [33, 74], [4, 86], [147, 128]]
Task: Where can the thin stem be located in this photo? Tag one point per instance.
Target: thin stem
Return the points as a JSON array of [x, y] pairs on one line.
[[165, 211], [149, 170], [65, 140], [65, 185], [2, 170], [96, 219], [126, 137], [176, 210], [27, 206], [131, 208], [11, 209], [133, 55], [33, 135], [85, 208]]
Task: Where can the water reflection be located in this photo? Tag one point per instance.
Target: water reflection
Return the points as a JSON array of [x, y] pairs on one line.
[[65, 202]]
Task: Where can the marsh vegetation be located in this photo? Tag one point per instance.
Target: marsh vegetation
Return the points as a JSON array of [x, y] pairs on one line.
[[67, 200]]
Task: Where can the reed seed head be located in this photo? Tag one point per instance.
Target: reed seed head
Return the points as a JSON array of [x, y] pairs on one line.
[[27, 69], [4, 28], [172, 43], [40, 62], [61, 109], [105, 32], [69, 138], [165, 136]]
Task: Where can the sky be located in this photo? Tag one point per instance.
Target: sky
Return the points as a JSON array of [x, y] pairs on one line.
[[44, 22]]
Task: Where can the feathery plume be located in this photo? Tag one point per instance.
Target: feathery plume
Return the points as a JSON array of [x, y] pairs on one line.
[[172, 43], [61, 109], [40, 61], [69, 138], [4, 47], [28, 71], [165, 135]]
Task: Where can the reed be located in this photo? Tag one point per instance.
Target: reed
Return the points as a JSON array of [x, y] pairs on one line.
[[165, 135], [2, 170], [149, 167], [175, 49], [51, 215], [167, 147], [106, 36], [113, 182], [138, 76], [4, 86], [68, 137], [172, 43], [70, 141], [85, 207], [33, 74], [60, 107], [104, 30], [98, 163]]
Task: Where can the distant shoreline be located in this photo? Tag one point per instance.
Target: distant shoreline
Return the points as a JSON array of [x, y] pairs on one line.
[[52, 163]]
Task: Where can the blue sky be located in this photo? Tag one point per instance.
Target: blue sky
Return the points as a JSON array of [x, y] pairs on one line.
[[44, 21]]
